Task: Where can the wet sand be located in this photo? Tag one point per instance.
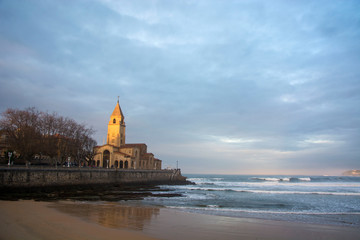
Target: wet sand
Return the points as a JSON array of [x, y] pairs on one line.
[[84, 220], [36, 220]]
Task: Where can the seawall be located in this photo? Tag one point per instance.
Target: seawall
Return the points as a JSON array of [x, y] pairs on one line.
[[33, 177]]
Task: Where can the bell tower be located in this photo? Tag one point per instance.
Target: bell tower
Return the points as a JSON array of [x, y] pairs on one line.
[[116, 127]]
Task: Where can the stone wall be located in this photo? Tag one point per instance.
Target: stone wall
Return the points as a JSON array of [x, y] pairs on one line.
[[31, 177]]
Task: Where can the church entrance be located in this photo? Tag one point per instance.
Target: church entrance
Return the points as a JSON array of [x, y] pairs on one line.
[[106, 158]]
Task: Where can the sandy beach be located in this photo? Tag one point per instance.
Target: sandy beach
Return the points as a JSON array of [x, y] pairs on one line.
[[35, 220], [83, 220]]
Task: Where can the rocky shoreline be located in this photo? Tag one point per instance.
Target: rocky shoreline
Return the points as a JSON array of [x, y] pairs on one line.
[[94, 192]]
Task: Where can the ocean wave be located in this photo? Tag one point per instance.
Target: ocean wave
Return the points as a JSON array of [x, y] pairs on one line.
[[305, 179], [274, 191], [196, 179], [285, 179], [300, 192], [196, 196], [224, 210], [265, 179], [217, 179], [209, 189], [205, 180]]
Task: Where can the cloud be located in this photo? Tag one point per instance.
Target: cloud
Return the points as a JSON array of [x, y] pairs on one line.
[[231, 85], [140, 10]]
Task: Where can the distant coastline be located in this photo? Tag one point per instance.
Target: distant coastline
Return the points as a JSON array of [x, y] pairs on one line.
[[355, 173]]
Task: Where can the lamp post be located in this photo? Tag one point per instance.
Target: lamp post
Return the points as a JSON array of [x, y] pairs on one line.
[[13, 154], [9, 154]]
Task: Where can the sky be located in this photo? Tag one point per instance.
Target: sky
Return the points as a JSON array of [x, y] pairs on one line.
[[226, 87]]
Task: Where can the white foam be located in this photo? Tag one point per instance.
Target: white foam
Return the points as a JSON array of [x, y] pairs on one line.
[[275, 191], [301, 192], [305, 179], [284, 179], [266, 179], [217, 179], [214, 208], [196, 179], [196, 196]]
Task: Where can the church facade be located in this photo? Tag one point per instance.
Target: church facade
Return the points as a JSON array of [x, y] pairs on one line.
[[116, 153]]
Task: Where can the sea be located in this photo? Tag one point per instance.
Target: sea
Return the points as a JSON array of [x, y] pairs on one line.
[[329, 200]]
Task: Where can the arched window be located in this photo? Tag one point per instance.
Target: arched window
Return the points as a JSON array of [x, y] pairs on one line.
[[114, 121], [106, 158], [121, 164]]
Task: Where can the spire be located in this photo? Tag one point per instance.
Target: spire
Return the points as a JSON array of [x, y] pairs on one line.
[[117, 111]]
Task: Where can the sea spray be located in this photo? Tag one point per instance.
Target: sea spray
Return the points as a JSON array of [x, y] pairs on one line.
[[311, 199]]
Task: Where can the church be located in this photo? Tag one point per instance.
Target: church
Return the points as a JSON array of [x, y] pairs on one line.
[[116, 153]]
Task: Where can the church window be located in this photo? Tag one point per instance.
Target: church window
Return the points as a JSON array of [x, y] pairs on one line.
[[114, 121]]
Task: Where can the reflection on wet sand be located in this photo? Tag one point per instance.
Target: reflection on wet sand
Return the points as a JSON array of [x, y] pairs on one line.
[[164, 223], [111, 215]]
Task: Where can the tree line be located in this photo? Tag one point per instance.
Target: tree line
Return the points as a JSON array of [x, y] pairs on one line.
[[31, 132]]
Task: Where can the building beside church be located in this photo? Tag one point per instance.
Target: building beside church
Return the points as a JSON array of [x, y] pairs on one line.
[[116, 153]]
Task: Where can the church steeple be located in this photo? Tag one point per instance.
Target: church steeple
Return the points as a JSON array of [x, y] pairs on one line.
[[116, 127], [117, 113]]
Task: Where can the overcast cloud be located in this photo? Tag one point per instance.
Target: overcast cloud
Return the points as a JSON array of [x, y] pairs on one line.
[[220, 86]]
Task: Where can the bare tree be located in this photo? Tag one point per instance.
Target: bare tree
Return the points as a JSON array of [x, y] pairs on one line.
[[88, 152], [22, 128], [49, 132], [33, 132]]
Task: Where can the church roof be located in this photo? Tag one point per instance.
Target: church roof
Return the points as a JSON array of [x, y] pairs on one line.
[[117, 111], [131, 145]]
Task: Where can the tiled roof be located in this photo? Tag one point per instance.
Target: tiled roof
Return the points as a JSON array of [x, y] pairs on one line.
[[106, 145], [131, 145]]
